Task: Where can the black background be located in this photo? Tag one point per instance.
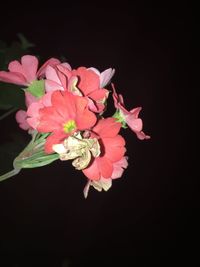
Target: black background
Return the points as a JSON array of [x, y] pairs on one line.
[[149, 217]]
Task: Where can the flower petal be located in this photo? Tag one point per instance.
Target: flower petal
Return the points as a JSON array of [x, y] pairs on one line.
[[89, 80], [64, 103], [53, 139], [92, 172], [118, 167], [30, 66], [15, 66], [136, 111], [105, 166], [52, 86], [114, 147], [51, 62], [106, 76], [12, 77], [51, 74], [134, 124], [65, 68], [85, 119], [29, 99], [21, 117], [141, 135], [107, 127], [99, 94], [49, 120]]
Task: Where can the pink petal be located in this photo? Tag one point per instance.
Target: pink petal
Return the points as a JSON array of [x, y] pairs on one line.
[[63, 79], [100, 107], [118, 168], [105, 167], [136, 112], [29, 99], [51, 74], [119, 101], [30, 66], [21, 117], [65, 69], [49, 120], [89, 81], [99, 94], [64, 104], [92, 105], [66, 65], [51, 62], [106, 76], [33, 114], [141, 135], [53, 139], [92, 172], [114, 148], [12, 77], [107, 127], [46, 99], [86, 189], [15, 66], [85, 119], [95, 71], [52, 86], [134, 124]]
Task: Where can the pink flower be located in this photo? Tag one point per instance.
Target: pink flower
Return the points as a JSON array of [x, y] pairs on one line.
[[130, 117], [33, 116], [26, 71], [119, 167], [112, 149], [83, 82], [67, 114], [89, 85], [105, 184], [58, 77], [21, 115], [104, 76]]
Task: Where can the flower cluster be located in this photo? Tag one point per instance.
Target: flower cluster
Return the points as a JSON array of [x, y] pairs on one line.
[[64, 116]]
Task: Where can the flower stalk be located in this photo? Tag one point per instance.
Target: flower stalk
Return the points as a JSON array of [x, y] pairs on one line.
[[32, 156]]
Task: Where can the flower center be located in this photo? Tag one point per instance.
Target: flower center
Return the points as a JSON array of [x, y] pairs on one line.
[[69, 126]]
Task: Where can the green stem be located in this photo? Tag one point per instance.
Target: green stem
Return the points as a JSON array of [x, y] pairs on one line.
[[9, 174], [32, 156], [7, 113]]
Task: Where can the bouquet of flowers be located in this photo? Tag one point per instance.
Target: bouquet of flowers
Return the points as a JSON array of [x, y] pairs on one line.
[[65, 117]]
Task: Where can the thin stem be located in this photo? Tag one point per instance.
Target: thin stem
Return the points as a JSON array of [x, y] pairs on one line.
[[9, 174], [7, 113]]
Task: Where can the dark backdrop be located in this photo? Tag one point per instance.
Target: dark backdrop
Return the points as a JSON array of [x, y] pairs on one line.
[[149, 215]]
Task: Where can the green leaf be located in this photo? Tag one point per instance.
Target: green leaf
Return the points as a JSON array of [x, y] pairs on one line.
[[37, 88], [25, 44]]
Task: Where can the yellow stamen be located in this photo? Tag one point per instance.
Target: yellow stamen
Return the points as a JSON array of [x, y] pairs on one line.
[[69, 126]]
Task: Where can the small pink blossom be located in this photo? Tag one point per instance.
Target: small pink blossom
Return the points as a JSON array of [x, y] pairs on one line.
[[89, 86], [33, 116], [26, 71], [83, 82], [130, 117], [105, 76], [58, 77], [112, 146], [21, 115], [105, 184]]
